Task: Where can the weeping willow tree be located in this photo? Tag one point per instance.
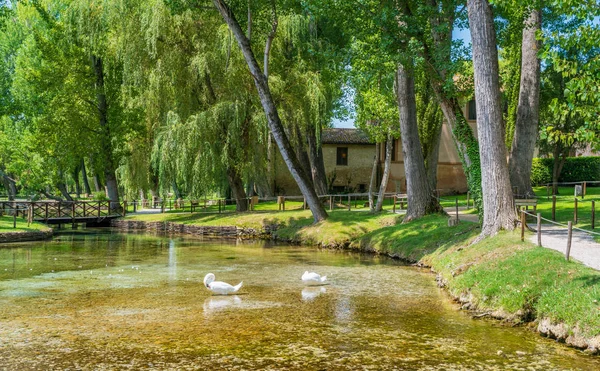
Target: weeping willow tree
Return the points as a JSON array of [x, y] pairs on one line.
[[305, 94], [200, 115]]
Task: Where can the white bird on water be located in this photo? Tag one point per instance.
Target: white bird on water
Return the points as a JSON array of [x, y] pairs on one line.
[[313, 279], [218, 287]]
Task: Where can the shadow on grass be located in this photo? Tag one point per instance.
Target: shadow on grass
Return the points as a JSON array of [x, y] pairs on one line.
[[589, 280], [413, 240]]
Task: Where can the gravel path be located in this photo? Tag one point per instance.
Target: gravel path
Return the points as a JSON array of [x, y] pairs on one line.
[[583, 246]]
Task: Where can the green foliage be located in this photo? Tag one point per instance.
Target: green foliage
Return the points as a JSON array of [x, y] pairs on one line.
[[100, 196], [541, 171], [575, 169]]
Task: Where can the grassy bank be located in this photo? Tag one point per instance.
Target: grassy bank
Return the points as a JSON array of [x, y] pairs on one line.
[[338, 230], [6, 225], [503, 276]]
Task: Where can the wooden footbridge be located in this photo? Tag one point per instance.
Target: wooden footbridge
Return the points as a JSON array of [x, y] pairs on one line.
[[64, 212]]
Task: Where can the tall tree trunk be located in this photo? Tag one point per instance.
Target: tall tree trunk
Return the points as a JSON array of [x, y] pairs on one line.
[[75, 174], [420, 197], [301, 152], [9, 185], [386, 173], [275, 125], [438, 58], [237, 189], [374, 177], [62, 187], [499, 208], [97, 183], [559, 155], [526, 125], [63, 191], [317, 166], [112, 188], [270, 164], [86, 183]]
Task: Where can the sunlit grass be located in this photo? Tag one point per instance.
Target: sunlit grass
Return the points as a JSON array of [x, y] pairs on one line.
[[6, 225]]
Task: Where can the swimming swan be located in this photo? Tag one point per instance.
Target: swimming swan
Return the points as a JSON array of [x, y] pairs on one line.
[[218, 287], [313, 278]]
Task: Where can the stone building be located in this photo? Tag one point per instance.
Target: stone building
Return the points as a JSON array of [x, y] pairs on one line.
[[348, 155]]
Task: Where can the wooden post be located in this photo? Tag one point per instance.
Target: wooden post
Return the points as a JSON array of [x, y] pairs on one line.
[[394, 207], [575, 212], [99, 207], [569, 237], [523, 225], [330, 203], [59, 208], [539, 229], [304, 204], [583, 191], [593, 213], [219, 204], [456, 202], [553, 208], [350, 203], [46, 211], [14, 220], [134, 206], [547, 192], [73, 216], [30, 215], [468, 200]]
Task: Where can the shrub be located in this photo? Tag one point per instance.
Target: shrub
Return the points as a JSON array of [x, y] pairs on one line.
[[575, 169], [541, 171], [100, 196]]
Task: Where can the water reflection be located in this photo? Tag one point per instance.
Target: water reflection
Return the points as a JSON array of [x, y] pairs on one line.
[[172, 261], [218, 303], [310, 293]]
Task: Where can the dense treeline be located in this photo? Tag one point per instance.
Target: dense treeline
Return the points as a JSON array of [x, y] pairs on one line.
[[144, 98]]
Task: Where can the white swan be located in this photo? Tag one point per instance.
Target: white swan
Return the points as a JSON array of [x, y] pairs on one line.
[[218, 287], [313, 279]]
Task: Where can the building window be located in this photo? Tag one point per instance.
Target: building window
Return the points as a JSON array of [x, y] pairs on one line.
[[342, 156], [472, 110]]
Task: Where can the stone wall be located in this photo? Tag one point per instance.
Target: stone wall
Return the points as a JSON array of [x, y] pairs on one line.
[[196, 230], [25, 236]]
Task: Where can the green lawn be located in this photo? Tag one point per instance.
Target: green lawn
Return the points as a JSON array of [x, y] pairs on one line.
[[6, 225], [565, 205]]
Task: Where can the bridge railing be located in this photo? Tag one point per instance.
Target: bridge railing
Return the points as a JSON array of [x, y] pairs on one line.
[[45, 210]]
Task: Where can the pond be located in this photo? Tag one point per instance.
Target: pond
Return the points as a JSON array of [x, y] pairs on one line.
[[103, 300]]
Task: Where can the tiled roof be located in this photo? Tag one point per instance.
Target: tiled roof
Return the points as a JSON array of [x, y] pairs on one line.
[[345, 136]]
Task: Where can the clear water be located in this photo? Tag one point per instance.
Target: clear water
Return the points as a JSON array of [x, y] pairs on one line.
[[114, 301]]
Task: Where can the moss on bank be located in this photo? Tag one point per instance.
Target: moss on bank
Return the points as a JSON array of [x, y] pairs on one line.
[[501, 275]]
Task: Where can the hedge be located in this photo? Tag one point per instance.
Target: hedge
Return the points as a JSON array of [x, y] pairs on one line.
[[575, 169]]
